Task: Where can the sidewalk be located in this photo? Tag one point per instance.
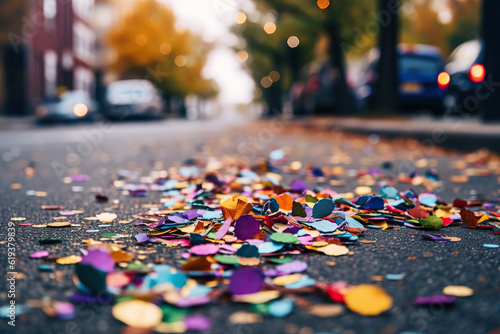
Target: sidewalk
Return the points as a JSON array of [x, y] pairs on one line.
[[464, 134]]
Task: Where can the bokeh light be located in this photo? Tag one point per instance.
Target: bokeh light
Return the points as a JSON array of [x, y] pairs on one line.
[[240, 18], [270, 28], [274, 75], [443, 79], [477, 73], [165, 48], [293, 41], [141, 39], [80, 109], [180, 60], [242, 56], [266, 82], [322, 4]]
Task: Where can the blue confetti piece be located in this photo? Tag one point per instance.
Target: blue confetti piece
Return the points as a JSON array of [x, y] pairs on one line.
[[303, 282], [394, 277], [324, 226], [269, 247], [92, 231], [323, 208], [491, 246], [281, 308]]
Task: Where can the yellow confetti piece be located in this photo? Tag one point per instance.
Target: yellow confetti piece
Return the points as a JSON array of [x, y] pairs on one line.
[[367, 299], [326, 310], [244, 318], [171, 327], [106, 217], [138, 313], [72, 259], [286, 279], [334, 250], [59, 224], [258, 297], [458, 291], [363, 190], [18, 218]]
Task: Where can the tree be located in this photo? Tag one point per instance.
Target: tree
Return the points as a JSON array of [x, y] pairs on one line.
[[386, 87], [490, 33], [147, 44], [342, 21]]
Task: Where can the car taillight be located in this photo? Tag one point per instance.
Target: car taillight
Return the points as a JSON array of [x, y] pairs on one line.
[[443, 80], [477, 73]]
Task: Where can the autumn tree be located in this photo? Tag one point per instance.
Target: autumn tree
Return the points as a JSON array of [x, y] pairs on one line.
[[147, 44]]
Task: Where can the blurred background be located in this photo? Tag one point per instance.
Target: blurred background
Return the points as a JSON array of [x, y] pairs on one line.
[[90, 59]]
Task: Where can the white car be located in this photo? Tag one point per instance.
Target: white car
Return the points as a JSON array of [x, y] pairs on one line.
[[132, 99]]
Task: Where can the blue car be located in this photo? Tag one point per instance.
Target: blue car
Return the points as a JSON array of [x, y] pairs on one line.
[[422, 81]]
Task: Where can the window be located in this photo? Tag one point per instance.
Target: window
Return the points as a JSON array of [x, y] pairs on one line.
[[84, 42], [50, 69], [49, 9]]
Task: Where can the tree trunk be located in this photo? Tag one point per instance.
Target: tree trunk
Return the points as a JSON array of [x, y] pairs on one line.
[[490, 33], [341, 90], [386, 87]]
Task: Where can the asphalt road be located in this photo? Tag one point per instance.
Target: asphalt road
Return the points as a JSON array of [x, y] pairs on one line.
[[40, 158]]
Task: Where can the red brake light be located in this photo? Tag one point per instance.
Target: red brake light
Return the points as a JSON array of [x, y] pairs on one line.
[[477, 73], [443, 80]]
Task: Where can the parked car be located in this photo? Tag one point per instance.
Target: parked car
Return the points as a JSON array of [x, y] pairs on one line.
[[133, 99], [71, 106], [466, 73], [314, 92], [419, 67]]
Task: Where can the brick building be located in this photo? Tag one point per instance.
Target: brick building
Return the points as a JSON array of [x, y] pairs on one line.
[[54, 48]]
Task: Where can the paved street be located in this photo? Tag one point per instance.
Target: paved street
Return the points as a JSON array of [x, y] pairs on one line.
[[37, 163]]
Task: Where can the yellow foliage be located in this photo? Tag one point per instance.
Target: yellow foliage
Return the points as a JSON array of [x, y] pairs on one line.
[[147, 44]]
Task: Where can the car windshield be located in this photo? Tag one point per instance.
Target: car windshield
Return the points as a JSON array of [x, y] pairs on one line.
[[419, 64], [127, 95]]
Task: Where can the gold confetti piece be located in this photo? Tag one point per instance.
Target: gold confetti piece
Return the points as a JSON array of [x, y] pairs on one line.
[[244, 318], [452, 238], [326, 310], [106, 217], [334, 250], [459, 178], [124, 221], [258, 297], [72, 259], [121, 256], [367, 241], [18, 218], [286, 279], [77, 212], [40, 193], [16, 186], [59, 224], [171, 327], [458, 291], [377, 278], [331, 263], [40, 225], [248, 261], [363, 190], [91, 218], [138, 313], [367, 299]]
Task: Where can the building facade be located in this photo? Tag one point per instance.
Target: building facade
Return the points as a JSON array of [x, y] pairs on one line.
[[55, 46]]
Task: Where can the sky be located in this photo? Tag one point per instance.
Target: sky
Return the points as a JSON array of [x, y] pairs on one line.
[[212, 20]]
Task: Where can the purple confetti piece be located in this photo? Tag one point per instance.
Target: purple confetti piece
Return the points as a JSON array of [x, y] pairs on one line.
[[197, 322], [143, 237], [245, 281], [293, 267], [204, 249], [434, 300], [99, 260], [246, 227], [39, 254], [79, 178], [298, 186], [193, 301], [223, 229], [190, 214]]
